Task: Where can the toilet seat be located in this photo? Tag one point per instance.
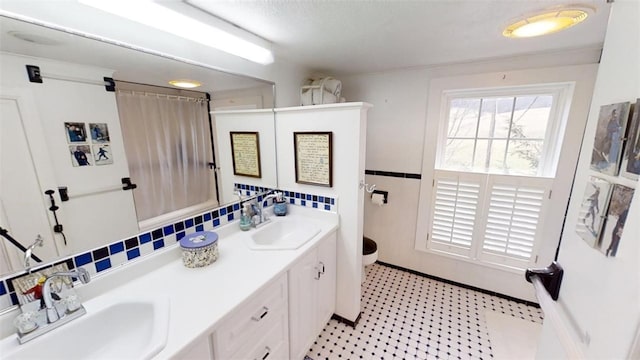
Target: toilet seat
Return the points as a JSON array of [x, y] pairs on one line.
[[369, 251]]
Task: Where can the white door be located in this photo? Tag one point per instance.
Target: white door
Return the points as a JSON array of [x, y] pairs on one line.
[[302, 305], [327, 284], [23, 211]]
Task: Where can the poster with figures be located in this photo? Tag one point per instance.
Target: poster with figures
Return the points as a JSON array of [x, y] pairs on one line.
[[607, 146], [631, 162], [101, 145], [616, 218], [76, 132], [81, 155], [593, 210], [102, 154], [99, 132]]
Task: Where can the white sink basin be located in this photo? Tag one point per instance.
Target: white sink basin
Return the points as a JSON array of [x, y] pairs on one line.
[[122, 330], [283, 233]]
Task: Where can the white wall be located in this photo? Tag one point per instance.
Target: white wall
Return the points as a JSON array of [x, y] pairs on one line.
[[602, 293], [396, 139], [260, 121], [348, 123]]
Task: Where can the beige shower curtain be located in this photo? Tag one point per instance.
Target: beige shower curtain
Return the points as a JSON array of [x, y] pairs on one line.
[[168, 146]]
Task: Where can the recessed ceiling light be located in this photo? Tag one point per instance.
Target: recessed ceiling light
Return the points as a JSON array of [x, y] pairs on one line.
[[545, 23], [33, 38], [186, 84]]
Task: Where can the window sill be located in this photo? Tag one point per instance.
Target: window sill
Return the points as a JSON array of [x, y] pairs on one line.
[[492, 265], [174, 216]]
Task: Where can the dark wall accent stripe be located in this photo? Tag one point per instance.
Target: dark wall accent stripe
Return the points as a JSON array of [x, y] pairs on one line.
[[507, 297], [393, 174]]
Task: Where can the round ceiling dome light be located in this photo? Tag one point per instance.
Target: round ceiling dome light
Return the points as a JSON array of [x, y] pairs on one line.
[[545, 23], [185, 84]]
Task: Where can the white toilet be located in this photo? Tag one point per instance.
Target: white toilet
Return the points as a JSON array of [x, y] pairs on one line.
[[369, 255]]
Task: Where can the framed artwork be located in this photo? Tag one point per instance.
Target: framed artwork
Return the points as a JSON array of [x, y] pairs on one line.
[[81, 155], [76, 132], [631, 163], [593, 209], [99, 132], [607, 147], [313, 158], [245, 151], [616, 218], [102, 154]]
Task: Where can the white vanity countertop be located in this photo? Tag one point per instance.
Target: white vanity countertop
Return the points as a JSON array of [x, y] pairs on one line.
[[201, 297]]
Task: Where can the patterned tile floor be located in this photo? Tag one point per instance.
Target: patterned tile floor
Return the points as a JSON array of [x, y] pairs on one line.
[[407, 316]]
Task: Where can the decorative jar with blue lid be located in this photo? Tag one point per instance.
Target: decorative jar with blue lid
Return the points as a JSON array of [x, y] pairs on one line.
[[199, 249]]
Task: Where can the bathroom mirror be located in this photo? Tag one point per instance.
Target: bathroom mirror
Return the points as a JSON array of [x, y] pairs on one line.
[[72, 100]]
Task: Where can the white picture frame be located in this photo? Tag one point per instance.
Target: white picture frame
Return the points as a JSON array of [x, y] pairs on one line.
[[608, 143], [593, 210]]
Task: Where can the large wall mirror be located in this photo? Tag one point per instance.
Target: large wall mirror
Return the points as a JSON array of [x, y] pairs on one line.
[[70, 132]]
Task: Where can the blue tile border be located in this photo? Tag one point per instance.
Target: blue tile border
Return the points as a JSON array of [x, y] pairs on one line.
[[116, 248], [103, 265], [83, 259]]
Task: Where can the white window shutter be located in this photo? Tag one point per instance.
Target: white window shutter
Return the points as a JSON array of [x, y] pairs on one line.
[[456, 198], [515, 209]]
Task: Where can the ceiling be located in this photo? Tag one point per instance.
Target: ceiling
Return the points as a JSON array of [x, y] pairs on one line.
[[344, 37], [127, 64]]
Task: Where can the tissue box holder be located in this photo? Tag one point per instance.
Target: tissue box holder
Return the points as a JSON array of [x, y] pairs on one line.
[[199, 249]]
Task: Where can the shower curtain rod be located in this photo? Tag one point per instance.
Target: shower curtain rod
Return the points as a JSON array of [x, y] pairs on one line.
[[179, 97]]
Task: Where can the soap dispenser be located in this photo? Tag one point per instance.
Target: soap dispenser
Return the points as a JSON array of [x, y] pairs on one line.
[[245, 218]]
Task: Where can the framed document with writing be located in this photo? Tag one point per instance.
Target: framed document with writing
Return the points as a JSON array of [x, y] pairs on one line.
[[313, 157], [245, 150]]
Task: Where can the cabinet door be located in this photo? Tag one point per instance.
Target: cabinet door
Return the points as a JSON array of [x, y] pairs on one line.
[[302, 304], [201, 350], [326, 296]]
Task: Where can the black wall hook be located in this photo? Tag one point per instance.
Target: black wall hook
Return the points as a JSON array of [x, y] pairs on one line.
[[127, 185], [57, 228]]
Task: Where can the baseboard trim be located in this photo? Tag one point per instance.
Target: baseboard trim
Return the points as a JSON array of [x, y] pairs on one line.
[[507, 297], [347, 321]]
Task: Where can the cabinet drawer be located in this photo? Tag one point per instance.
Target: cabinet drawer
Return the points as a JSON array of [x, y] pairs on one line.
[[247, 323], [269, 343]]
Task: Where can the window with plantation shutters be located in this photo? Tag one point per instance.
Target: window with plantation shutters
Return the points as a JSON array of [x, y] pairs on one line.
[[492, 218], [485, 193], [455, 204], [514, 209]]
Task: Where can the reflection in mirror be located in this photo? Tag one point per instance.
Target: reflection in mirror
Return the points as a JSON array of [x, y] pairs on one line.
[[73, 135]]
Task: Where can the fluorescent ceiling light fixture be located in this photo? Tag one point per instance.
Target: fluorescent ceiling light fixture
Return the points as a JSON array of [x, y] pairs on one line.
[[159, 17], [186, 84], [545, 23]]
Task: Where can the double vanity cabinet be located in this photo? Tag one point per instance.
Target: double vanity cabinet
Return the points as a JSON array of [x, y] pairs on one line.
[[281, 320], [270, 303]]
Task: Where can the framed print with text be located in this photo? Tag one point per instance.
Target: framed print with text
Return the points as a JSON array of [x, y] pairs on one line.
[[313, 157], [245, 150]]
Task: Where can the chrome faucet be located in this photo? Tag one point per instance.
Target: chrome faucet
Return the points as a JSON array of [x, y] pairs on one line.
[[43, 324], [27, 254], [260, 217], [52, 313]]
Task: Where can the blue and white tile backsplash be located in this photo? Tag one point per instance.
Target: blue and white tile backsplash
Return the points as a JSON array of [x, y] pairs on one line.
[[120, 252]]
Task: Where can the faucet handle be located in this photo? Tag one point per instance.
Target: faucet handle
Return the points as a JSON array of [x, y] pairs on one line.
[[83, 275]]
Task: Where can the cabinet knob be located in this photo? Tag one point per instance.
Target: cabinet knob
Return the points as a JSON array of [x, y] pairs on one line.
[[267, 351], [261, 314]]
